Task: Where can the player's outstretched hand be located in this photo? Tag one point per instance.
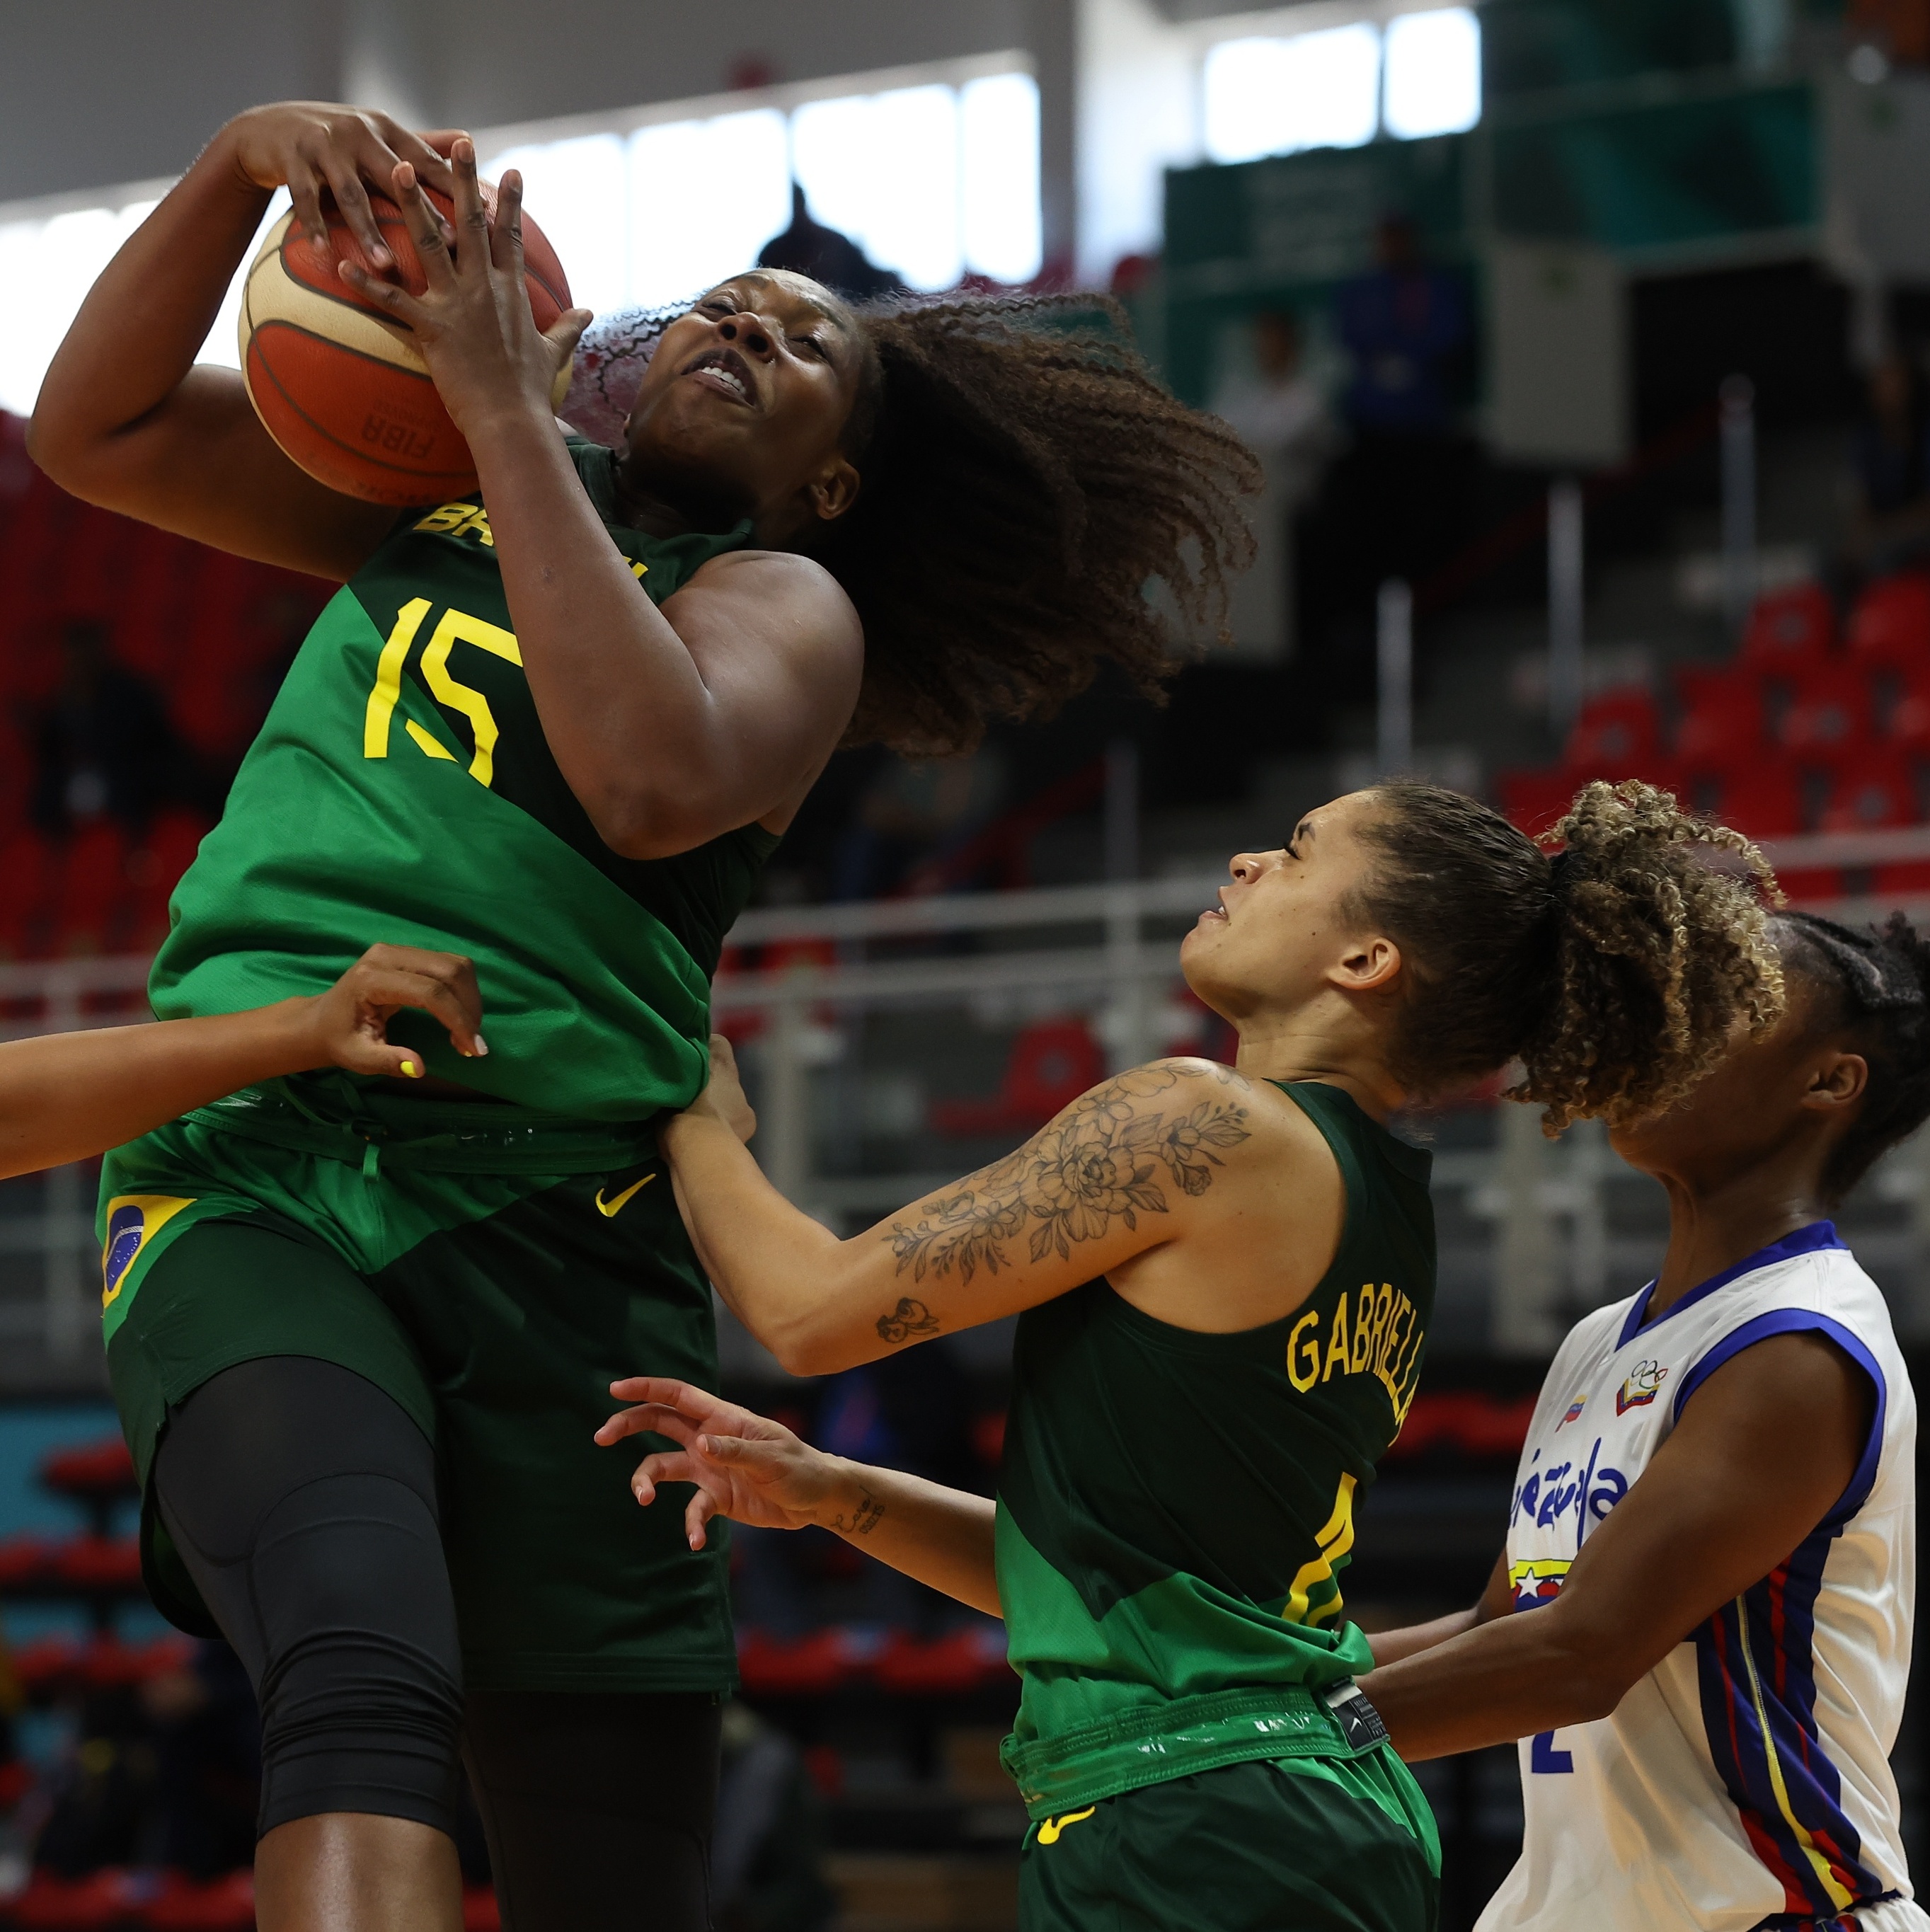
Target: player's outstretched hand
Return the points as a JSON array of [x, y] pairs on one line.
[[723, 1096], [351, 1019], [744, 1466]]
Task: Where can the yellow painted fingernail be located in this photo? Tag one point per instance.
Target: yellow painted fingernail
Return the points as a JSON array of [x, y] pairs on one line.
[[414, 1072]]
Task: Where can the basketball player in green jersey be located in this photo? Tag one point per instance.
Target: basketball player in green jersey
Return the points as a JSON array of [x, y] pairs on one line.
[[1224, 1277], [358, 1331]]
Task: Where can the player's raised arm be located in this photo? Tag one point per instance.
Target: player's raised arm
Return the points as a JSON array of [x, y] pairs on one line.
[[126, 419], [671, 726], [1152, 1158], [66, 1096], [755, 1471]]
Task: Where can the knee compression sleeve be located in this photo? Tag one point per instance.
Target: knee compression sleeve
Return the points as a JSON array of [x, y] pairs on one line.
[[303, 1500]]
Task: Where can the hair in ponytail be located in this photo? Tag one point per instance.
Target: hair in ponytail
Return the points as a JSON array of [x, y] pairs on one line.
[[1617, 972], [1873, 985]]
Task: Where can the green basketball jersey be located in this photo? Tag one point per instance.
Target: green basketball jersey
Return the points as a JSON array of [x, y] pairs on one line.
[[1175, 1508], [402, 790]]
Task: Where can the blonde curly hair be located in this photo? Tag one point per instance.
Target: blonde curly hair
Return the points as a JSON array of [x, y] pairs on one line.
[[1617, 971]]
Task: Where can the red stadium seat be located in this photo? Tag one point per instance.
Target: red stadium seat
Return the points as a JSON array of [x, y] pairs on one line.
[[154, 869], [1723, 722], [26, 881], [100, 1469], [1789, 630], [225, 1905], [479, 1910], [103, 1901], [1828, 719], [1876, 789], [90, 898], [1051, 1063], [1906, 724], [1533, 799], [1764, 799], [945, 1666], [1617, 736], [1891, 623], [803, 1667]]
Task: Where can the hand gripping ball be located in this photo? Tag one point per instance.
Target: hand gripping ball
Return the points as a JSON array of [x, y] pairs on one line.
[[339, 385]]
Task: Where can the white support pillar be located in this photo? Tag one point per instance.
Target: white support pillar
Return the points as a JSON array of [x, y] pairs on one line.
[[67, 1245], [1739, 500], [1565, 543], [1521, 1310], [1393, 690], [784, 1135]]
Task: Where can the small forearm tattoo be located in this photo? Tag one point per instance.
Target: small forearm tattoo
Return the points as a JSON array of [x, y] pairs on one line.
[[864, 1519], [907, 1319]]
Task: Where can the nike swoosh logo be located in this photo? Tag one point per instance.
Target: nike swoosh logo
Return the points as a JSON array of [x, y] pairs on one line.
[[1048, 1832], [609, 1208]]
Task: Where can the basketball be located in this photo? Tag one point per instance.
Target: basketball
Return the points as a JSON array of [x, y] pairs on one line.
[[341, 387]]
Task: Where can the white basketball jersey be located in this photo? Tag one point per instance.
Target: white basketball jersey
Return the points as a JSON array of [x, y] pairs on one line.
[[1745, 1780]]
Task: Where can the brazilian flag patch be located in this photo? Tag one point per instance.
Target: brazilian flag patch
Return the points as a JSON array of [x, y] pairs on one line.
[[132, 1221]]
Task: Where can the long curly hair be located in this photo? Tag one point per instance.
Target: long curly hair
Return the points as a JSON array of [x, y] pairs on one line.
[[1026, 488], [1616, 971], [1873, 986], [1025, 481]]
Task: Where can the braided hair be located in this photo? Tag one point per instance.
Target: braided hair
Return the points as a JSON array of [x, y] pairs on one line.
[[1615, 972], [1873, 986], [1026, 482]]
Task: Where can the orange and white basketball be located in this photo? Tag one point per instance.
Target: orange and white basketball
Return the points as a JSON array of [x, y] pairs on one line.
[[341, 387]]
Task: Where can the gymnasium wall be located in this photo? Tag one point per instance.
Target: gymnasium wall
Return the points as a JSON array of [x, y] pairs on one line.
[[97, 92]]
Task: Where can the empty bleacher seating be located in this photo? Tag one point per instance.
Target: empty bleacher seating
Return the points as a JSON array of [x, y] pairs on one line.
[[1800, 730], [209, 632]]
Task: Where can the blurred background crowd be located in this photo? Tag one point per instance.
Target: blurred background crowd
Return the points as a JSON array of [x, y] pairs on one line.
[[1586, 343]]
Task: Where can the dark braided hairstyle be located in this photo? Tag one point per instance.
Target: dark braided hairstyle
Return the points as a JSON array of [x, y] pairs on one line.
[[1873, 986], [1024, 481], [1615, 972], [1024, 484]]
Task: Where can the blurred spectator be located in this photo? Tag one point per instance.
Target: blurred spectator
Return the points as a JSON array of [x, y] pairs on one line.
[[1406, 326], [909, 813], [766, 1855], [1397, 502], [913, 1411], [1279, 412], [102, 746], [1891, 451], [808, 247], [166, 1772], [207, 1752]]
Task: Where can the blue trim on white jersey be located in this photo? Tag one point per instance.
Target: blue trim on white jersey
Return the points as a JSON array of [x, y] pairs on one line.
[[1796, 1320], [1809, 1240]]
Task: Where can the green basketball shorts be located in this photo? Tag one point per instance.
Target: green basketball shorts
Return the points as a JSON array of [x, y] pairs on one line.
[[1298, 1845], [491, 1295]]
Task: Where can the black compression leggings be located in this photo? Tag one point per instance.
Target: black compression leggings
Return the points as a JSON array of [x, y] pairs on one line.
[[303, 1500]]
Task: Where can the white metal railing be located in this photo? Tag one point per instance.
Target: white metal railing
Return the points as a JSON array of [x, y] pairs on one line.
[[1109, 952]]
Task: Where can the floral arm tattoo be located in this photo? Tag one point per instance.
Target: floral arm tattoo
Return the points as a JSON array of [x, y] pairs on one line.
[[1110, 1158]]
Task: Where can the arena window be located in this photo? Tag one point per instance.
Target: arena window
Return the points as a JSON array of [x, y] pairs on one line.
[[935, 178], [933, 171], [1339, 87], [1431, 73]]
